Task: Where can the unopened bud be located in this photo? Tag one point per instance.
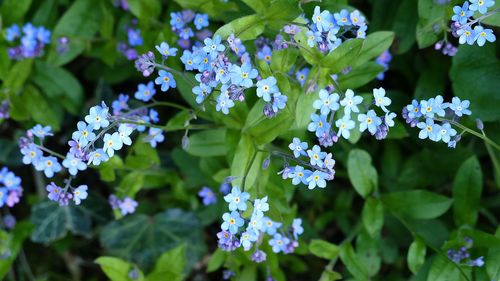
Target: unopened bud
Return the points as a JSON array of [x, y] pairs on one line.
[[479, 124]]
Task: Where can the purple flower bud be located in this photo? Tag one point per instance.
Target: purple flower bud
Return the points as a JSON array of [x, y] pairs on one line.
[[438, 45], [227, 274], [185, 142], [259, 256], [266, 163], [133, 274], [268, 110], [4, 110], [9, 221], [291, 29], [225, 188], [479, 124], [236, 93]]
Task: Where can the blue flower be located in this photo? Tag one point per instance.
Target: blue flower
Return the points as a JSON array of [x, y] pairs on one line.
[[466, 35], [279, 243], [146, 91], [201, 92], [232, 221], [350, 102], [323, 20], [134, 37], [120, 104], [79, 194], [237, 200], [207, 195], [13, 32], [73, 164], [313, 37], [483, 35], [187, 60], [316, 156], [166, 80], [446, 132], [246, 240], [357, 18], [270, 227], [124, 132], [317, 179], [462, 13], [112, 143], [369, 121], [165, 50], [98, 117], [345, 124], [256, 222], [300, 175], [43, 35], [342, 18], [155, 136], [265, 54], [201, 21], [414, 111], [460, 107], [327, 102], [41, 131], [127, 206], [224, 103], [242, 76], [298, 147], [176, 20], [329, 162], [439, 106], [481, 5], [297, 228], [3, 196], [222, 75], [213, 45], [85, 133], [260, 206], [54, 191], [361, 33], [48, 165], [98, 156], [427, 129], [318, 124], [279, 102], [266, 87], [31, 154], [301, 75], [380, 99], [388, 119]]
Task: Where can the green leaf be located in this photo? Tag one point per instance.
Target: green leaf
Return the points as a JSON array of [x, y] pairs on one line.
[[283, 60], [145, 9], [343, 56], [170, 265], [373, 216], [374, 45], [245, 153], [474, 74], [493, 258], [245, 28], [117, 269], [352, 262], [417, 204], [324, 249], [443, 269], [431, 22], [216, 260], [13, 11], [14, 244], [80, 23], [416, 255], [58, 83], [467, 188], [360, 75], [361, 172], [264, 129], [131, 184], [312, 55], [17, 76], [259, 6], [52, 221], [329, 275], [143, 239], [41, 110], [208, 143]]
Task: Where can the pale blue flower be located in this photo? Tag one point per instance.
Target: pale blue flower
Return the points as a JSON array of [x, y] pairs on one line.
[[327, 102], [279, 243], [317, 179], [237, 200], [459, 107], [232, 221], [112, 143], [79, 194], [298, 147], [49, 165], [73, 164], [85, 133], [269, 226], [345, 125], [350, 102], [316, 156], [369, 121]]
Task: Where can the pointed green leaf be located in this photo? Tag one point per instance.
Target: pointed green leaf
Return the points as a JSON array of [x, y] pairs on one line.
[[361, 172], [467, 188]]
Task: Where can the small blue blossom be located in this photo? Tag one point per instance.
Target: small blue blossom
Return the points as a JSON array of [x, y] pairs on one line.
[[43, 35], [317, 178], [278, 243], [213, 45], [313, 37], [207, 195], [322, 20], [247, 238], [85, 133], [459, 107], [98, 117], [269, 226], [297, 228], [49, 165], [388, 119], [176, 20], [300, 175], [124, 132], [187, 60], [41, 131], [361, 33], [79, 194], [266, 87], [279, 102], [256, 222], [350, 102], [98, 156], [237, 200], [54, 191], [302, 74], [201, 21], [201, 92], [112, 143], [483, 35], [31, 154], [165, 50], [12, 32], [380, 99], [462, 14], [166, 80], [357, 19], [342, 18], [369, 121], [316, 156], [318, 124], [155, 136], [446, 132], [232, 221], [145, 92], [298, 147], [134, 37], [327, 102], [127, 206], [414, 111], [481, 5], [224, 103], [186, 33], [260, 206], [73, 164], [427, 129], [345, 125], [265, 54], [242, 76], [120, 104], [466, 35]]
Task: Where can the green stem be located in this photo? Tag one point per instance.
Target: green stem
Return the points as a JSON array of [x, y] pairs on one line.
[[470, 131], [43, 148], [494, 159], [247, 169]]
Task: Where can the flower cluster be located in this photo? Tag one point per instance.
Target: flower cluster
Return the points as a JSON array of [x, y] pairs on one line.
[[283, 240], [64, 195], [462, 255], [10, 188], [321, 164], [329, 103], [180, 25], [327, 30], [434, 118], [134, 39], [462, 26], [33, 40], [126, 206]]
